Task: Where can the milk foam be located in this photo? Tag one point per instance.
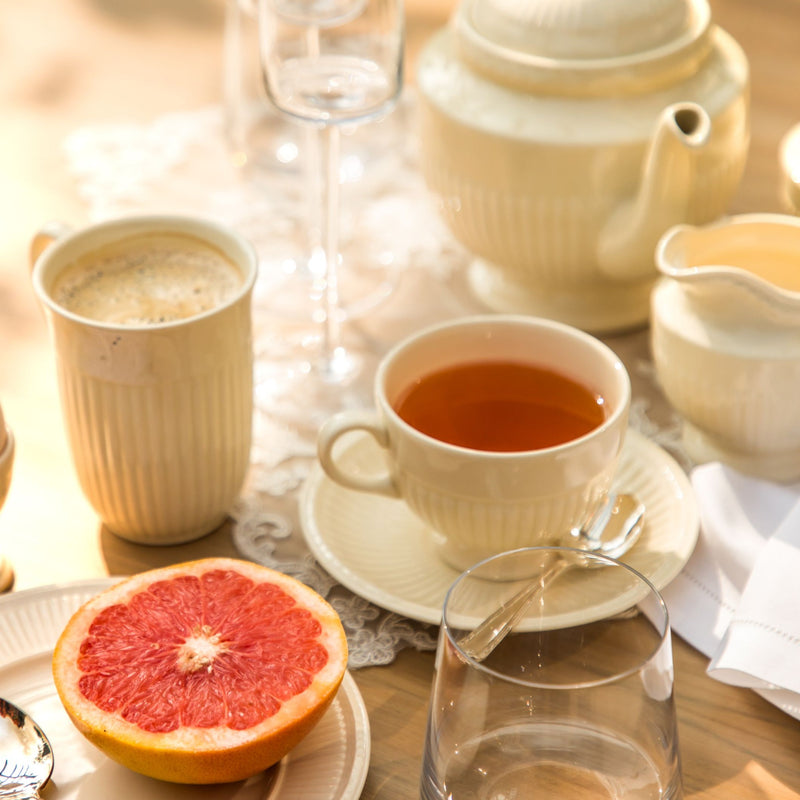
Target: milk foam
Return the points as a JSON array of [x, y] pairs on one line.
[[147, 279]]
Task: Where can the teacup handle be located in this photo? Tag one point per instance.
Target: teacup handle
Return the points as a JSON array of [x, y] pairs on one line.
[[336, 427], [44, 237]]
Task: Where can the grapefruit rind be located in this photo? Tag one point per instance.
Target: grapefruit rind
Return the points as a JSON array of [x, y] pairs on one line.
[[200, 755]]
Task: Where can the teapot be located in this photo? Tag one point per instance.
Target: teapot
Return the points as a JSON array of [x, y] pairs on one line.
[[725, 340], [563, 139]]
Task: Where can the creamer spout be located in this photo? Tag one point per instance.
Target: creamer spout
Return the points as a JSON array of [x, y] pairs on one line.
[[669, 174]]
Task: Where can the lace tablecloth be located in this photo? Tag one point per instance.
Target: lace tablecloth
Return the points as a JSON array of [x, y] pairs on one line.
[[182, 163]]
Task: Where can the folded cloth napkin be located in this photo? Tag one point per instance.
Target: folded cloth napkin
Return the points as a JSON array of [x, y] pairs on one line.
[[737, 600]]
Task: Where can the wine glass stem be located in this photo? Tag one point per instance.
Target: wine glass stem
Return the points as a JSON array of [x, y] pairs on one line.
[[331, 337]]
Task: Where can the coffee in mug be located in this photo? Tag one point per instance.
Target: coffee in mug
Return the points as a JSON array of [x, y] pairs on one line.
[[147, 279], [498, 432], [151, 321]]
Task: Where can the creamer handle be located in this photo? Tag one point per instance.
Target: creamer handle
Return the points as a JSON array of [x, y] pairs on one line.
[[332, 430]]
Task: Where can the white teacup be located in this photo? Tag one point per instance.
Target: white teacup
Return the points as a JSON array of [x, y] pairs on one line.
[[479, 502], [157, 406]]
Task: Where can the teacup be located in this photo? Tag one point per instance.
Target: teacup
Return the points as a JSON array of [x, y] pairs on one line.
[[488, 486], [151, 321]]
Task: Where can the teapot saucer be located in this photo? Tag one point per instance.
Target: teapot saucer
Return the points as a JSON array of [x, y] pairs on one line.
[[376, 547]]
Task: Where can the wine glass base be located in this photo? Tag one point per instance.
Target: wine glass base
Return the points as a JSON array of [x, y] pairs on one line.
[[295, 385], [289, 289], [339, 368]]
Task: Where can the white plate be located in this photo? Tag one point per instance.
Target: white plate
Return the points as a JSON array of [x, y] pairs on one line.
[[378, 549], [331, 763]]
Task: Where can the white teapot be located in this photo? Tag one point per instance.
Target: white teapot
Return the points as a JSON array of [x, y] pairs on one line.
[[563, 139]]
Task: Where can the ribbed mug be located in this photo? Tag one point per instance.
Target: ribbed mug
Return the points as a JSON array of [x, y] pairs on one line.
[[158, 416]]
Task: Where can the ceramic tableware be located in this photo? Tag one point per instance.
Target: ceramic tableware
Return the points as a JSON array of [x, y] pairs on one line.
[[789, 152], [376, 547], [331, 763], [725, 340], [157, 405], [6, 465], [562, 139], [478, 500]]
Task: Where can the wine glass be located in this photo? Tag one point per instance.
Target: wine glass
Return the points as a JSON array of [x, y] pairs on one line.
[[330, 63], [277, 159]]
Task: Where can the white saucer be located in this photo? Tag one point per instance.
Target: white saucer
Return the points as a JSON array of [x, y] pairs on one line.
[[331, 763], [382, 552]]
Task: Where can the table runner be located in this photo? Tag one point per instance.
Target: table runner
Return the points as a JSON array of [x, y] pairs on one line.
[[182, 163]]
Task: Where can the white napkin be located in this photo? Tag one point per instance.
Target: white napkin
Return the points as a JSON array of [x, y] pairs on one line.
[[738, 598]]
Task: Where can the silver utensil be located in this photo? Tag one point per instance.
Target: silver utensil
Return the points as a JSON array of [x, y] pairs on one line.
[[612, 530], [26, 757]]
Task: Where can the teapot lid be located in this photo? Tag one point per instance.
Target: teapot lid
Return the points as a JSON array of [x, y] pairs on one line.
[[583, 46]]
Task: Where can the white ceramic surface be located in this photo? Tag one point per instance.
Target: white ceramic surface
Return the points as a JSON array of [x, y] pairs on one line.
[[790, 168], [158, 417], [482, 502], [725, 340], [331, 763], [6, 457], [563, 139], [6, 468], [378, 549]]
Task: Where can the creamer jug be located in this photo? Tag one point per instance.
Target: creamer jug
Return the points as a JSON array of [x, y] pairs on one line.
[[725, 339]]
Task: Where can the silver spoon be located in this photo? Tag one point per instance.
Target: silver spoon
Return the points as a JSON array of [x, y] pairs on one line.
[[26, 757], [611, 531]]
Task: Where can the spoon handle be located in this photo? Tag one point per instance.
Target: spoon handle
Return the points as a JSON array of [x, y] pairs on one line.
[[480, 642], [17, 789]]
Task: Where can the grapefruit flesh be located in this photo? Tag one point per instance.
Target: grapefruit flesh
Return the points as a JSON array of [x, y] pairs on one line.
[[203, 672]]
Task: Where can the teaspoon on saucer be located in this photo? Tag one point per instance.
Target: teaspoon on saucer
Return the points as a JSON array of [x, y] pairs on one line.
[[26, 757], [611, 531]]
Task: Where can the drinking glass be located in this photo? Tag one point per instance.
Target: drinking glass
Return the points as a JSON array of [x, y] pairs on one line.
[[329, 63], [576, 701]]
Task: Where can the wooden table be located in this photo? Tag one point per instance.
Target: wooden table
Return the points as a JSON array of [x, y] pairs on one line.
[[74, 63]]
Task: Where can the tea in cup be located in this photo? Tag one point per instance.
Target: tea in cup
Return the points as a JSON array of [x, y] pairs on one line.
[[151, 321], [499, 431]]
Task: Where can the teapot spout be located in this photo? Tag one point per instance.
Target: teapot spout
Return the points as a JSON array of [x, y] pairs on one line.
[[668, 178]]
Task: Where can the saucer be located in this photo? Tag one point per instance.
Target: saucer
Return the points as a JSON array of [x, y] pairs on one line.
[[381, 551]]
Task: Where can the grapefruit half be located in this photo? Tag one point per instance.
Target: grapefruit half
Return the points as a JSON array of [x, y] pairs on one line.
[[204, 672]]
